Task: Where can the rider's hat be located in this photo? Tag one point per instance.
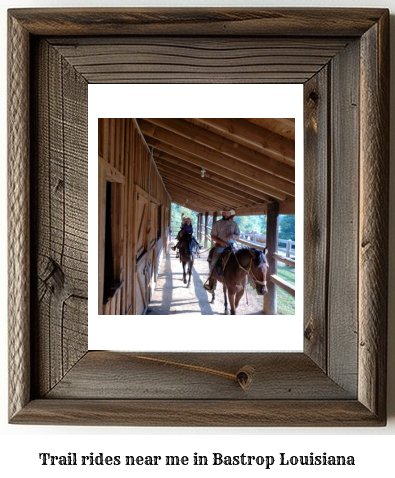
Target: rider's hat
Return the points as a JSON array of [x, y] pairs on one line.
[[229, 209]]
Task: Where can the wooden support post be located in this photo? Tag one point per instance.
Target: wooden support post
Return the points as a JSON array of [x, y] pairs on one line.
[[288, 248], [205, 229], [270, 299], [101, 233], [200, 220], [197, 227], [215, 216], [167, 220]]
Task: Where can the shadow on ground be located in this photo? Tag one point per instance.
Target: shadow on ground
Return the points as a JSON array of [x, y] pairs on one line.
[[171, 296]]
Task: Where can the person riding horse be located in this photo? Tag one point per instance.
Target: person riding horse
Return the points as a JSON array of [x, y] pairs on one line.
[[185, 231], [224, 233]]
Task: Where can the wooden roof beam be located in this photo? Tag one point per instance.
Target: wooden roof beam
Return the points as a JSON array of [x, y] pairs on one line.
[[204, 191], [211, 185], [204, 194], [252, 195], [224, 146], [194, 200], [285, 207], [210, 160], [283, 126], [196, 207], [253, 136], [192, 203], [256, 210]]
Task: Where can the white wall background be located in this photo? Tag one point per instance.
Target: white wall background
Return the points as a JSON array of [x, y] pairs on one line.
[[373, 448]]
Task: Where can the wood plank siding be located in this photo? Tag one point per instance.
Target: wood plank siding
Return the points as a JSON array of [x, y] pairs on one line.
[[134, 218]]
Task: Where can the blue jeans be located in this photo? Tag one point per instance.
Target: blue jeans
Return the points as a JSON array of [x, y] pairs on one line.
[[217, 252], [193, 242]]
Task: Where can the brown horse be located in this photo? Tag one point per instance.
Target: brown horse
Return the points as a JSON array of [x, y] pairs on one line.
[[240, 265], [186, 257]]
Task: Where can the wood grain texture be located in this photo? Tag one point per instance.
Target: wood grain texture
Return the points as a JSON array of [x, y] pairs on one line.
[[331, 22], [60, 199], [316, 213], [54, 372], [18, 218], [373, 232], [202, 376], [198, 59], [201, 413], [342, 248]]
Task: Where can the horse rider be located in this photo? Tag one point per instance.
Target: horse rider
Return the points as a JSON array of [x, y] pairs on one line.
[[224, 233], [186, 228]]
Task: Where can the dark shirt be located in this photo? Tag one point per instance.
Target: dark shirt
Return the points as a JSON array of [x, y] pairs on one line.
[[187, 229]]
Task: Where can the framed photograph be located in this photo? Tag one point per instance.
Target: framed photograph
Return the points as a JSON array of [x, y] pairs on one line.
[[135, 257], [341, 57]]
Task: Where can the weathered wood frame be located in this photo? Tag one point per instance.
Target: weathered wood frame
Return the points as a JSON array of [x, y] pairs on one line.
[[340, 378]]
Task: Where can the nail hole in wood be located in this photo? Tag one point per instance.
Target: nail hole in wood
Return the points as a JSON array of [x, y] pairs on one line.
[[313, 96]]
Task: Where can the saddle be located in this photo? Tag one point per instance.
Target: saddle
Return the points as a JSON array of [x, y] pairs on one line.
[[218, 272]]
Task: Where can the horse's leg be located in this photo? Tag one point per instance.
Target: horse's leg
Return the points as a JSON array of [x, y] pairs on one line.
[[231, 296], [190, 265], [239, 295], [226, 312], [212, 298], [213, 293], [184, 275]]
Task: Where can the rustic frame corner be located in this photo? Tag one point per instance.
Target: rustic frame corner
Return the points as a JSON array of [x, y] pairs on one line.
[[340, 378]]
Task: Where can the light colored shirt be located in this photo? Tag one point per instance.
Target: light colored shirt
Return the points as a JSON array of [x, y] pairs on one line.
[[223, 228]]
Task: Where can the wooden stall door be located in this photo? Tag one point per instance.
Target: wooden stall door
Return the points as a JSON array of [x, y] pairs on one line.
[[111, 240], [141, 254], [141, 289], [166, 229]]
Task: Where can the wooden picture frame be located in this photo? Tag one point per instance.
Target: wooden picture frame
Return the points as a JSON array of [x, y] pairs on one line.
[[342, 57]]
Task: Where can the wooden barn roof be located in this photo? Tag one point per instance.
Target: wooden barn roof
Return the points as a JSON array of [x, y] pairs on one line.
[[247, 162]]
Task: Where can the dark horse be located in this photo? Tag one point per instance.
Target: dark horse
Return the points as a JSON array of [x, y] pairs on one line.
[[186, 256], [238, 266]]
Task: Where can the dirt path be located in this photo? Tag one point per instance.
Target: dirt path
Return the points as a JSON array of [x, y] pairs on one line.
[[172, 296]]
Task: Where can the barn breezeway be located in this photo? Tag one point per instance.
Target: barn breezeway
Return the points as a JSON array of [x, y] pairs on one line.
[[145, 164]]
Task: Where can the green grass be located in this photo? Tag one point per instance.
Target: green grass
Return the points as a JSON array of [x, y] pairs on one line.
[[285, 301], [286, 272]]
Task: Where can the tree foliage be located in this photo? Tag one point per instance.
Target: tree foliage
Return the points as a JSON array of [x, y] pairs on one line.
[[287, 227], [176, 211], [251, 223], [245, 223]]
